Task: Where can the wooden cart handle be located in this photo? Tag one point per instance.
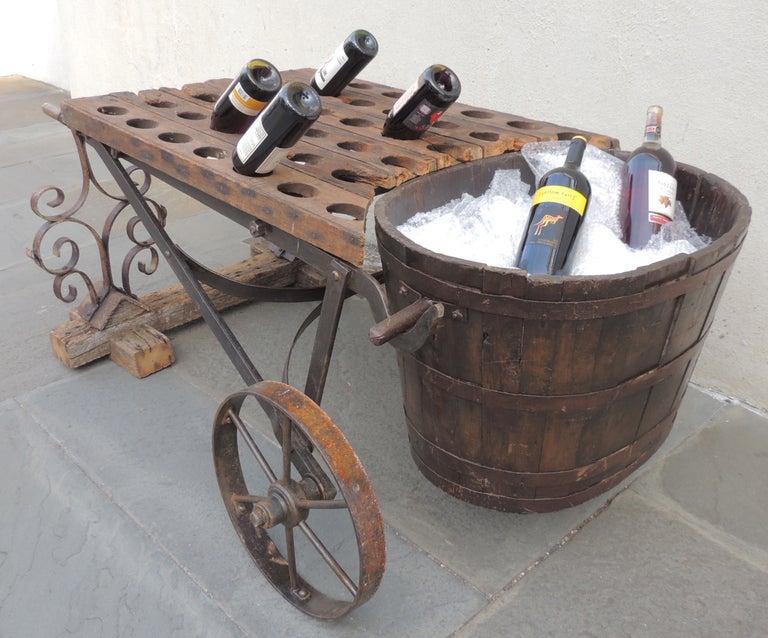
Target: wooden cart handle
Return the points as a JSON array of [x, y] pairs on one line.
[[405, 320]]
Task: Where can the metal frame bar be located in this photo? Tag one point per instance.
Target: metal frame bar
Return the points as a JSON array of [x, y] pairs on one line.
[[342, 279], [178, 264]]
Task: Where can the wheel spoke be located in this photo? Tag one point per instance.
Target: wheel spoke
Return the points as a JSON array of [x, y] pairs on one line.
[[252, 445], [287, 426], [290, 547], [328, 558]]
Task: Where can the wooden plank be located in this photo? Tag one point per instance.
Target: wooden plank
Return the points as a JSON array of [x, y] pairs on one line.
[[286, 198], [463, 117], [321, 191], [334, 165], [77, 343], [141, 350]]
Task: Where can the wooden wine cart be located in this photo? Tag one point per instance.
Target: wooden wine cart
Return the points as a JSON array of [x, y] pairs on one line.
[[314, 207]]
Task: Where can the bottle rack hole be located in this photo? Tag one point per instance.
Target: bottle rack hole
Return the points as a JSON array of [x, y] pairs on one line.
[[523, 124], [205, 97], [344, 175], [486, 136], [478, 115], [357, 102], [140, 122], [297, 189], [191, 115], [401, 161], [346, 211], [175, 138], [305, 158], [112, 110], [354, 146], [210, 152], [160, 104], [356, 121]]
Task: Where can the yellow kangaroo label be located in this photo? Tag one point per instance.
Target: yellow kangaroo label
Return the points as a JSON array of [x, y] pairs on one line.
[[561, 195]]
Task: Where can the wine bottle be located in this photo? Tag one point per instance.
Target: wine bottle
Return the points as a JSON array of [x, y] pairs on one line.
[[234, 111], [557, 210], [423, 103], [345, 63], [650, 188], [278, 127]]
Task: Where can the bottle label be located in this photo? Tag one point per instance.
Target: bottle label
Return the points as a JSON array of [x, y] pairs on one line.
[[244, 102], [251, 140], [547, 220], [423, 116], [271, 160], [662, 194], [401, 101], [331, 67], [561, 195]]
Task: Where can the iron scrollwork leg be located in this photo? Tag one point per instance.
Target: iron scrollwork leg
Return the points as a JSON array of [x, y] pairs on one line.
[[104, 294]]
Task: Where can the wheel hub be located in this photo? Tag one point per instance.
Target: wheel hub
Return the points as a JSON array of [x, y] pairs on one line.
[[280, 507]]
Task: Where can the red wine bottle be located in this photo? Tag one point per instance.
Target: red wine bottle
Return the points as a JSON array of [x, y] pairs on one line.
[[345, 63], [278, 127], [258, 82], [422, 105], [557, 210], [650, 188]]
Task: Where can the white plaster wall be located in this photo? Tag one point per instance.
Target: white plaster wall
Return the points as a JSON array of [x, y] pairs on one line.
[[592, 64], [31, 42]]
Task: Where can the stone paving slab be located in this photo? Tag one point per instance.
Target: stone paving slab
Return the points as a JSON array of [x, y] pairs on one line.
[[22, 99], [150, 454], [718, 481], [73, 562], [635, 571]]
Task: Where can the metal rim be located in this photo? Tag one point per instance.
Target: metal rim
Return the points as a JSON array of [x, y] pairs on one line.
[[289, 503]]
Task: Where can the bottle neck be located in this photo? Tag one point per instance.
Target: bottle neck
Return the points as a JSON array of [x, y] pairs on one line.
[[575, 152], [653, 126]]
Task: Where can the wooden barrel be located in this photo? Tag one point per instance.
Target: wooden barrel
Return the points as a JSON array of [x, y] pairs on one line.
[[537, 393]]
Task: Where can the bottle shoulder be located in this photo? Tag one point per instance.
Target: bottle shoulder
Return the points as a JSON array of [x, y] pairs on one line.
[[564, 176], [648, 154]]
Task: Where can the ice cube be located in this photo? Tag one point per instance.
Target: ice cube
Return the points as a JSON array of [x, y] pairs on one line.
[[486, 229], [489, 228]]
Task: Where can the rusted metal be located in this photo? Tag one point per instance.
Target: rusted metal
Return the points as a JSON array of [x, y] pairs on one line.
[[287, 503], [104, 294], [326, 330]]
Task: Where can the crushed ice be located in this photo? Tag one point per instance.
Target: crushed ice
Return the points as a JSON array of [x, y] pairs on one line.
[[489, 228]]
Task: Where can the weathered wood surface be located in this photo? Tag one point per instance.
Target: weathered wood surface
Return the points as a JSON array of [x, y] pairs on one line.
[[141, 350], [319, 194], [537, 393], [333, 169], [76, 342]]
